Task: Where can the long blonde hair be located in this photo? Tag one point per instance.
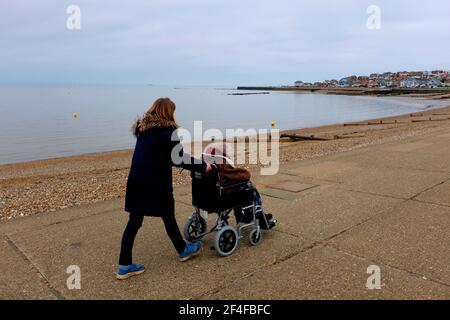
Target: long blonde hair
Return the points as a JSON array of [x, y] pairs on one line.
[[163, 109], [161, 114]]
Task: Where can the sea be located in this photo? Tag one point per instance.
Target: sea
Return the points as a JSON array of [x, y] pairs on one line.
[[42, 122]]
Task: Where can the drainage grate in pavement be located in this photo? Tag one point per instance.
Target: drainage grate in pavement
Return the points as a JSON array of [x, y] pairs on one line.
[[291, 186]]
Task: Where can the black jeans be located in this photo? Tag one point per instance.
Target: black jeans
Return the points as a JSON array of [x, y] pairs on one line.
[[132, 228]]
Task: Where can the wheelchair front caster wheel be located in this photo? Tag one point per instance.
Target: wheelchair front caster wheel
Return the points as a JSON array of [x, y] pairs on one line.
[[255, 237], [194, 228], [226, 241]]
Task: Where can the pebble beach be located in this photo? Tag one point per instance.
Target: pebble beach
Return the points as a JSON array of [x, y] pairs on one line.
[[44, 186]]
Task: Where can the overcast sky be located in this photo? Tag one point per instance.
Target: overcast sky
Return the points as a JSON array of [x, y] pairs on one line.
[[215, 42]]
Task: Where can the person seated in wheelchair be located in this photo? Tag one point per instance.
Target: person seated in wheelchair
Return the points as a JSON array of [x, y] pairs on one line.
[[216, 155]]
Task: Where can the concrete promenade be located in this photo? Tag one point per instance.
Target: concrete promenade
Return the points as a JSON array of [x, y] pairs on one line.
[[386, 205]]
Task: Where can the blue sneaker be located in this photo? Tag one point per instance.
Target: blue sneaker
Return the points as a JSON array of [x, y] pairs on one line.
[[192, 249], [124, 272]]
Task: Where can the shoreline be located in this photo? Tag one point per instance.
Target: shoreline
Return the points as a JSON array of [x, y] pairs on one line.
[[419, 100], [445, 91], [40, 186]]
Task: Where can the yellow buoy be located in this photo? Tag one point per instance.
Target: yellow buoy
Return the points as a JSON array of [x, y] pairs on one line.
[[75, 116], [273, 124]]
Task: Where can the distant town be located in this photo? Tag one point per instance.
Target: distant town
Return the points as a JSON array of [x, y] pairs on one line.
[[392, 80]]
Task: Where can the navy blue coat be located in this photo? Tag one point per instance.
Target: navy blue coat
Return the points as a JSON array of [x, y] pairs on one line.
[[149, 187]]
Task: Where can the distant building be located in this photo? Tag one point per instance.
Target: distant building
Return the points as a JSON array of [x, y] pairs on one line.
[[410, 83], [373, 83], [401, 79], [433, 83], [331, 83], [344, 82], [348, 81]]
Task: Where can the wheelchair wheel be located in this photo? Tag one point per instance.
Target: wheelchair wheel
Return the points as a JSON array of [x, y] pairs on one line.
[[255, 237], [226, 241], [194, 228]]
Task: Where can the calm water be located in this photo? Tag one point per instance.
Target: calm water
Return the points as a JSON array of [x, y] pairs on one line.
[[38, 122]]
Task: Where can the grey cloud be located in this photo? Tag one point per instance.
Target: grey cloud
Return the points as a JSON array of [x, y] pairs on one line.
[[217, 42]]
